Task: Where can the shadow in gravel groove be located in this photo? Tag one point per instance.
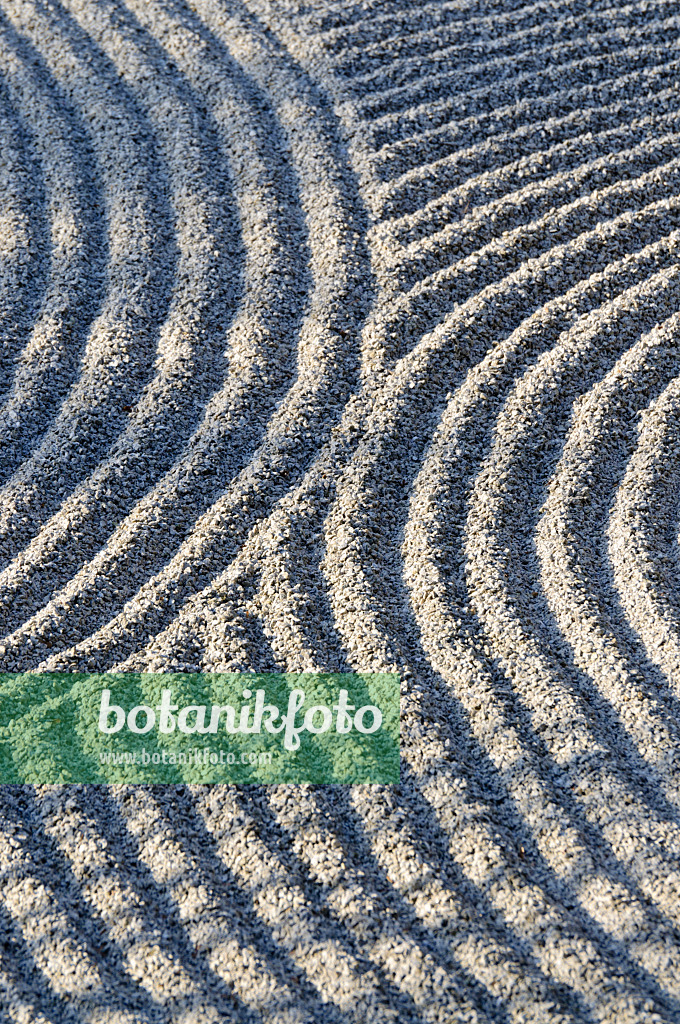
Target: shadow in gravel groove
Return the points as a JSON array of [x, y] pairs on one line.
[[279, 840], [426, 827], [178, 806], [155, 906], [660, 525], [90, 437], [390, 25], [48, 864], [451, 719], [349, 321], [36, 426], [485, 786], [18, 967], [579, 682], [261, 656], [243, 645], [302, 565], [130, 486]]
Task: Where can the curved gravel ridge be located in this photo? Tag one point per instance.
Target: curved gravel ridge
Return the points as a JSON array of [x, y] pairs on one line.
[[644, 575], [21, 266], [70, 242], [344, 336]]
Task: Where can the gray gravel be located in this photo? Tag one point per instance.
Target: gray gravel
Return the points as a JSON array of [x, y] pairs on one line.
[[345, 335]]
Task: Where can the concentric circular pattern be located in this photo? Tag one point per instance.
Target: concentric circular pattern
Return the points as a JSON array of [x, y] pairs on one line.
[[346, 335]]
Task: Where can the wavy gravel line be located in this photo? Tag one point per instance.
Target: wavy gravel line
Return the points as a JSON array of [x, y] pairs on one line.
[[408, 192], [122, 339], [214, 533], [571, 543], [265, 982], [503, 198], [215, 613], [464, 251], [518, 69], [326, 339], [472, 156], [214, 619], [434, 559], [642, 536], [437, 46], [500, 574], [67, 287], [189, 349], [259, 356], [161, 966], [20, 263], [278, 900], [59, 947], [193, 632], [201, 314], [595, 70], [363, 618], [402, 28]]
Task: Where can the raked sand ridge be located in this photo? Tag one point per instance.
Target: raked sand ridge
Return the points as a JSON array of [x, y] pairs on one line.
[[339, 336]]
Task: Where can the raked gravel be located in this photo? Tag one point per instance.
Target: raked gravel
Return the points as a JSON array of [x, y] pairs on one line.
[[345, 335]]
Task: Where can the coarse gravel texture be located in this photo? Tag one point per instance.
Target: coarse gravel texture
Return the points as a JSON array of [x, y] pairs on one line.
[[345, 335]]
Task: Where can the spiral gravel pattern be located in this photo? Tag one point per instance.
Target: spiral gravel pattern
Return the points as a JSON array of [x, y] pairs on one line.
[[345, 335]]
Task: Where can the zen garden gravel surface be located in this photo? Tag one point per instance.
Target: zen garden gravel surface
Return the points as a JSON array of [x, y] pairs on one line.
[[335, 336]]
